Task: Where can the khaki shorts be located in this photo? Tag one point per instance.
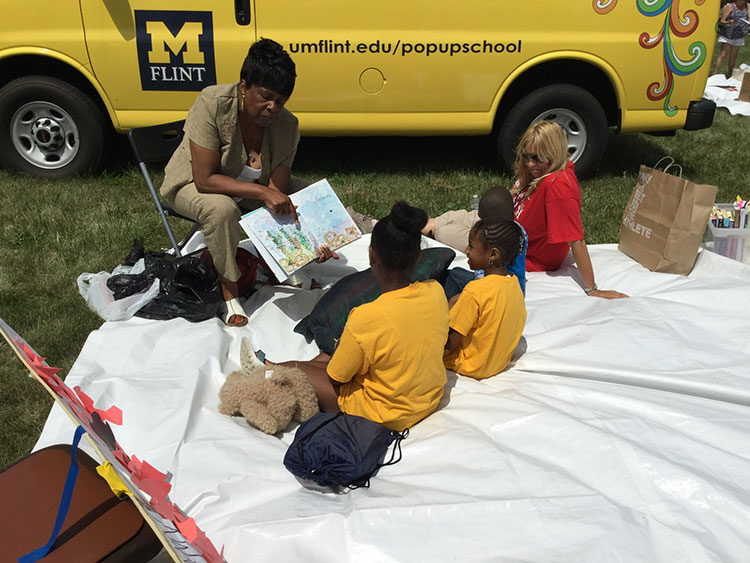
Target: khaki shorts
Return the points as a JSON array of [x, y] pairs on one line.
[[453, 227]]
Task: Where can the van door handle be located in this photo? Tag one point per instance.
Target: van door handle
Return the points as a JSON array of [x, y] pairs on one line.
[[242, 11]]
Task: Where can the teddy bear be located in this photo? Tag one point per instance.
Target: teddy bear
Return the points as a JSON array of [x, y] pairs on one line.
[[269, 397]]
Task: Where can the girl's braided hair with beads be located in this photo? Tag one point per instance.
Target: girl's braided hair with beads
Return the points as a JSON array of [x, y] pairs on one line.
[[506, 236]]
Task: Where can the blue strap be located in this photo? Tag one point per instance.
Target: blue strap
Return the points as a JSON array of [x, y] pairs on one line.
[[62, 511]]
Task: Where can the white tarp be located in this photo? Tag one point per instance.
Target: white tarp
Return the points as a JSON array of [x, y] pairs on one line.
[[622, 431], [725, 91]]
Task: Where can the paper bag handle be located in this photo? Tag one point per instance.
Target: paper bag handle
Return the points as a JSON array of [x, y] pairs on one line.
[[669, 165]]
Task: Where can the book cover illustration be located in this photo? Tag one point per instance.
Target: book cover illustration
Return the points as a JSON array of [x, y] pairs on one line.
[[323, 221]]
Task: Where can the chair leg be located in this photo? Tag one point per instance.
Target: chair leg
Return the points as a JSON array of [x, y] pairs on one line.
[[160, 209], [195, 228]]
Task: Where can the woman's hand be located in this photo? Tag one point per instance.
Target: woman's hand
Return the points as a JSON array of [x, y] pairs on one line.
[[325, 253], [583, 261], [607, 294], [279, 203]]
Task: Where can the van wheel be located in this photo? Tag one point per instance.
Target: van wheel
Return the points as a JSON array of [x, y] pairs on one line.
[[574, 109], [49, 128]]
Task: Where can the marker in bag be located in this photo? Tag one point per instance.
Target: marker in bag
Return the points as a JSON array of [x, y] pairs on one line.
[[741, 204]]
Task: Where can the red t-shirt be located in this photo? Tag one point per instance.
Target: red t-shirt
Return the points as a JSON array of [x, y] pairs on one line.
[[552, 219]]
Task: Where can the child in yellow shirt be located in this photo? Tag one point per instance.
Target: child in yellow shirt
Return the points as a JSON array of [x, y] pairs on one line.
[[488, 316], [388, 364]]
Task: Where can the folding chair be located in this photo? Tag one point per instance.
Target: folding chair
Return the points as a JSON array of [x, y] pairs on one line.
[[156, 144]]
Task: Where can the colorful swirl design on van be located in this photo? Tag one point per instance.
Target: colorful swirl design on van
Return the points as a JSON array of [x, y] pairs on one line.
[[604, 6], [674, 26]]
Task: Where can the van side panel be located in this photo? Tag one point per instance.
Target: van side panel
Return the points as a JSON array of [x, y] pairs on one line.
[[416, 67], [154, 57], [679, 39], [435, 57], [707, 34], [54, 25]]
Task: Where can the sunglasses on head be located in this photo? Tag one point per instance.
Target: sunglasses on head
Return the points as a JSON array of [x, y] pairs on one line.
[[532, 157]]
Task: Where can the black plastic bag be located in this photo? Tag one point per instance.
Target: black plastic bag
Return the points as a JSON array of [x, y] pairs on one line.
[[188, 287]]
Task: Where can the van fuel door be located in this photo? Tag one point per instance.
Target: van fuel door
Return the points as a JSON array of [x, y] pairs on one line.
[[371, 81]]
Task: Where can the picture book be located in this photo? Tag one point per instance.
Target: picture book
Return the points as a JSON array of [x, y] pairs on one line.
[[287, 246]]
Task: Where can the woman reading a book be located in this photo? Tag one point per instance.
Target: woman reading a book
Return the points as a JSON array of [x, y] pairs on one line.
[[238, 148]]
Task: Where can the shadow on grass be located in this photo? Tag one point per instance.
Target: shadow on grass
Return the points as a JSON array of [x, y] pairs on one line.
[[359, 155], [397, 154], [405, 155], [624, 154], [627, 151], [119, 159]]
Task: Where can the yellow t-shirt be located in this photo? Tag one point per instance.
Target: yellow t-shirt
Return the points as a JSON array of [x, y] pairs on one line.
[[490, 315], [389, 358]]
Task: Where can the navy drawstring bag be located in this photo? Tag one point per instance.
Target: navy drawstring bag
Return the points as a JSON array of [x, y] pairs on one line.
[[341, 450]]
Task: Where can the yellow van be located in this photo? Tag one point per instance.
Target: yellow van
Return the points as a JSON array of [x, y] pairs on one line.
[[71, 71]]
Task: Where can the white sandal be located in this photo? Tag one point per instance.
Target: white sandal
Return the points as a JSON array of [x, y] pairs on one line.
[[235, 315], [249, 359]]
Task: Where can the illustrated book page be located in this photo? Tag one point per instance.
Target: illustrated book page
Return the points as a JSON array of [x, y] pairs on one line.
[[287, 246]]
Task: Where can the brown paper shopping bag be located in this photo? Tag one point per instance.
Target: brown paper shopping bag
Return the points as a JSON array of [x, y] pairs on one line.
[[664, 220], [744, 95]]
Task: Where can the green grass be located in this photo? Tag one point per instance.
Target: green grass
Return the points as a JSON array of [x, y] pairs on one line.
[[51, 231]]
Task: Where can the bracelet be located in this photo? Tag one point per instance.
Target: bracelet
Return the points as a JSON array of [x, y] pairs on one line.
[[590, 290]]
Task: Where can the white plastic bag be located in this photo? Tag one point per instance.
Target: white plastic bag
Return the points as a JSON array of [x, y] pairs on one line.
[[100, 299]]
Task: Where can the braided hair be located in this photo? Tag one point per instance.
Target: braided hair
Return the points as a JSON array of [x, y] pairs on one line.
[[506, 236], [397, 237]]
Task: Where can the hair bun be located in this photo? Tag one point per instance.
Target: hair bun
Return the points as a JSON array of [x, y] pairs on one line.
[[407, 218], [396, 237]]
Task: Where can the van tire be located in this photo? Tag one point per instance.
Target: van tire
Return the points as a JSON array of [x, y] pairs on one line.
[[575, 109], [50, 128]]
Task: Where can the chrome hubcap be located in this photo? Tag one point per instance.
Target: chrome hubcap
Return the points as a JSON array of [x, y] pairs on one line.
[[574, 128], [44, 134]]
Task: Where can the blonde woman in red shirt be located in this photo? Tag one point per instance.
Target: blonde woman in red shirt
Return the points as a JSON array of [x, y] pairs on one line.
[[547, 203]]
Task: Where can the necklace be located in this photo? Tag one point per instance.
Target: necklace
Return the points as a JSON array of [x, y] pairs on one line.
[[252, 142]]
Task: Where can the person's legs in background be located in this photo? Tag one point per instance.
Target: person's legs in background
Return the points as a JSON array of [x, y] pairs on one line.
[[453, 227], [733, 52], [720, 58], [456, 281]]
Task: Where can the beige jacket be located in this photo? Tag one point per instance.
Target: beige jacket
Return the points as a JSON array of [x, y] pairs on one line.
[[212, 124]]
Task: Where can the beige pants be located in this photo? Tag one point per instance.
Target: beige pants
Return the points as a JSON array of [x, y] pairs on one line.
[[452, 228], [218, 216]]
